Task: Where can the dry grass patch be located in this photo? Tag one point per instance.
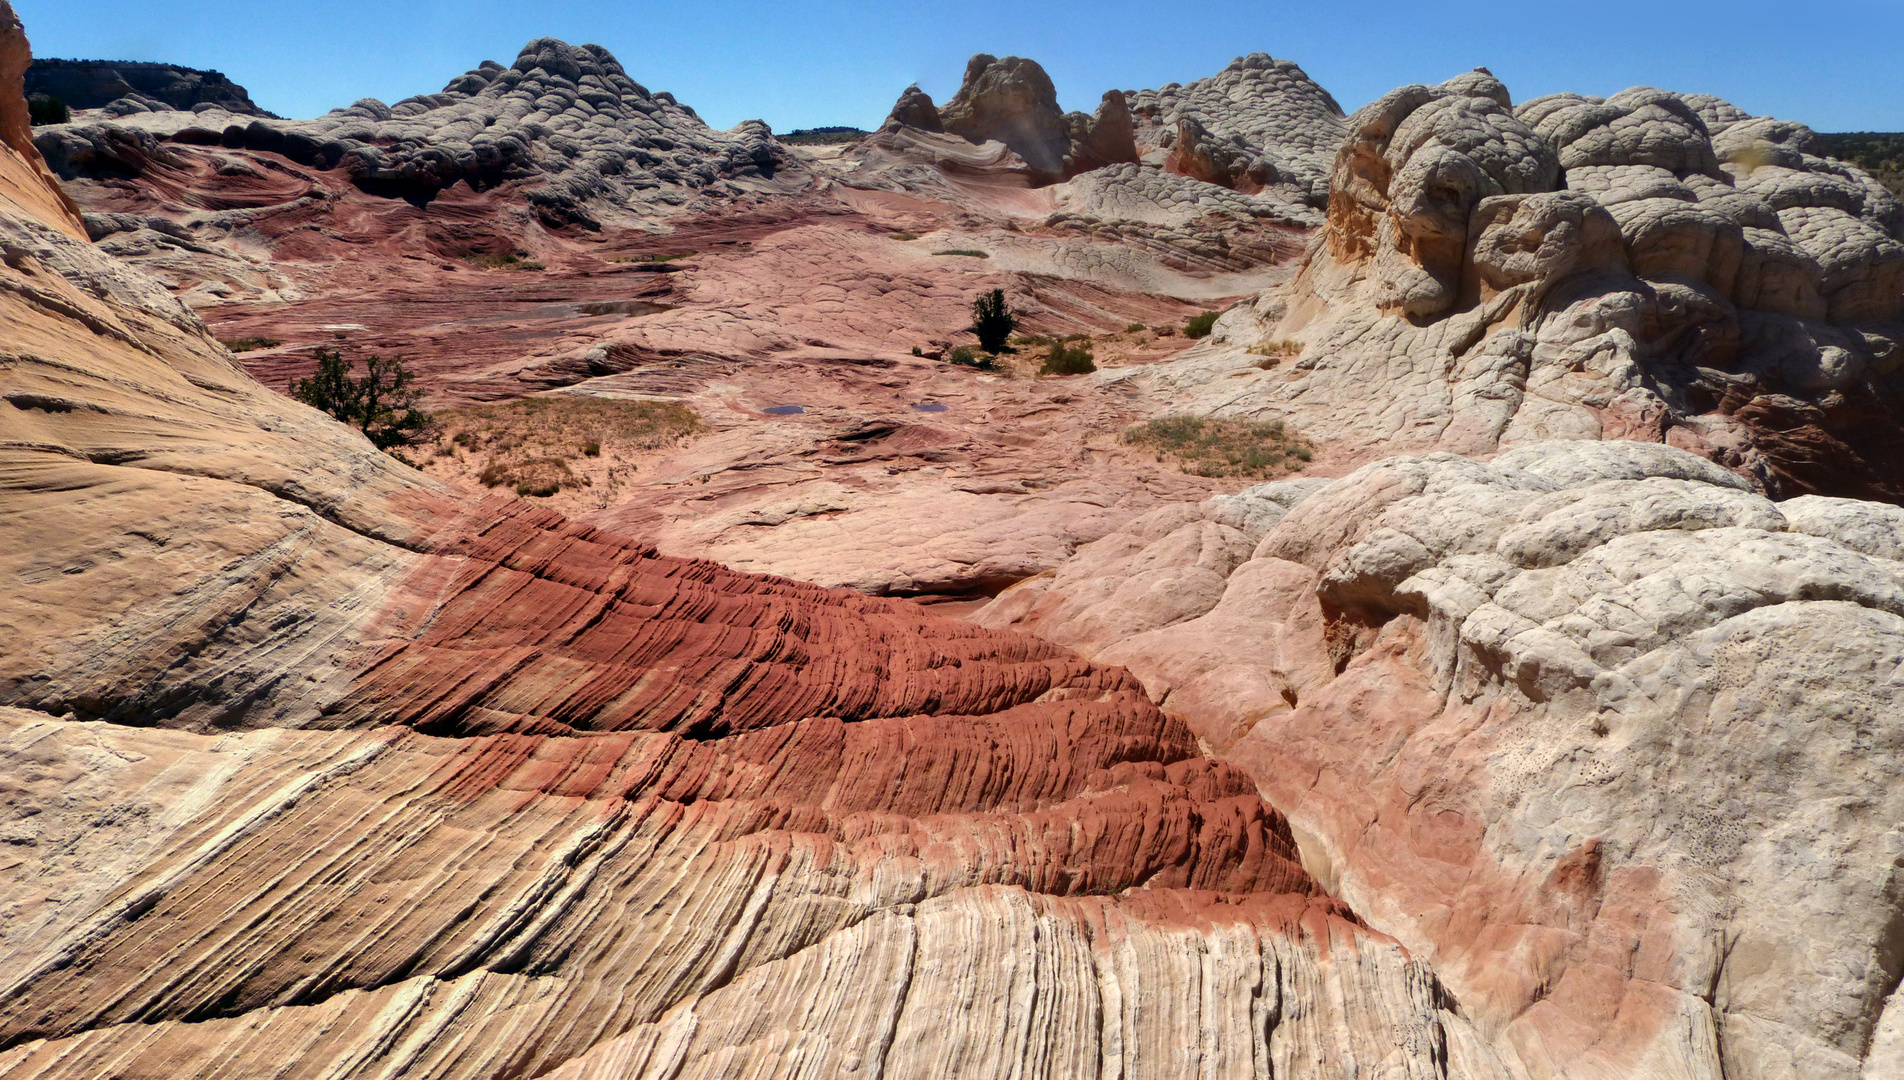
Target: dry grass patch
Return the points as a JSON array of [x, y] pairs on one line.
[[1205, 446], [532, 445]]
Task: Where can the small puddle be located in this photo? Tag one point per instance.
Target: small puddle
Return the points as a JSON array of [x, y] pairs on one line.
[[785, 410], [928, 406]]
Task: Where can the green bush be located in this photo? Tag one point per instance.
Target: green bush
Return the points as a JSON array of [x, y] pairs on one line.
[[47, 109], [967, 252], [1221, 448], [1134, 328], [1200, 325], [1069, 360], [965, 357], [382, 404], [993, 321], [246, 344]]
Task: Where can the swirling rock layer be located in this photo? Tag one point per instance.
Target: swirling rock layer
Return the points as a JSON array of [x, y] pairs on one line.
[[311, 767]]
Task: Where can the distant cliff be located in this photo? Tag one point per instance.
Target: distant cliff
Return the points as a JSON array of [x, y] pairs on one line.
[[93, 84]]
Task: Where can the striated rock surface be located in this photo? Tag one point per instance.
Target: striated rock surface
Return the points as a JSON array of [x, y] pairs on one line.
[[312, 767], [1650, 266], [1609, 739]]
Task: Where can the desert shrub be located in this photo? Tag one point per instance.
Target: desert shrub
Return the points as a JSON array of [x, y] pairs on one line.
[[1275, 352], [967, 252], [382, 404], [505, 261], [917, 351], [528, 444], [247, 344], [965, 356], [46, 109], [1199, 325], [905, 236], [993, 321], [1207, 446], [1134, 328], [1069, 360]]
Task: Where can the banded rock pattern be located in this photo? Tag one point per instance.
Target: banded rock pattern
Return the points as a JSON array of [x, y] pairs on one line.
[[312, 768]]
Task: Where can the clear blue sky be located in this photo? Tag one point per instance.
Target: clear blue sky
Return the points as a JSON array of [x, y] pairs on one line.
[[1835, 64]]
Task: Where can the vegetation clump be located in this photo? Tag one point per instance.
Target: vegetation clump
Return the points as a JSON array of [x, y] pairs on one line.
[[515, 260], [46, 109], [968, 252], [964, 356], [382, 404], [247, 344], [1199, 325], [1205, 446], [993, 321], [1275, 352], [1069, 360], [530, 445]]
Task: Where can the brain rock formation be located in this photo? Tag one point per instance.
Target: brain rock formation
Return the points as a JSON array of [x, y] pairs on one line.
[[566, 118], [1652, 265], [1258, 124], [1611, 739]]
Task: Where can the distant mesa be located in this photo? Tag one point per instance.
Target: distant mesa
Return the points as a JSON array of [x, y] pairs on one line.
[[823, 136], [125, 87]]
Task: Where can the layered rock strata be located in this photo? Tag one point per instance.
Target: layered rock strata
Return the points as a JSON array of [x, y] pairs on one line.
[[313, 768], [1608, 738]]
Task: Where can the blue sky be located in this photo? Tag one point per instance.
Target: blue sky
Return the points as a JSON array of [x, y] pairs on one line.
[[1835, 64]]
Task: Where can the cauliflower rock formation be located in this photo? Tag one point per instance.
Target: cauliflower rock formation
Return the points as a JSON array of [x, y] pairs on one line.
[[1614, 742], [1652, 265], [1260, 124]]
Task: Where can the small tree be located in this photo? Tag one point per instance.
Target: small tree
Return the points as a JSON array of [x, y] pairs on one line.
[[46, 109], [382, 404], [992, 321]]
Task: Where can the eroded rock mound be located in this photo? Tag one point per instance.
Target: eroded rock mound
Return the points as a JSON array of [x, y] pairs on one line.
[[1259, 124], [1576, 725], [1011, 101], [592, 141], [1650, 266]]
